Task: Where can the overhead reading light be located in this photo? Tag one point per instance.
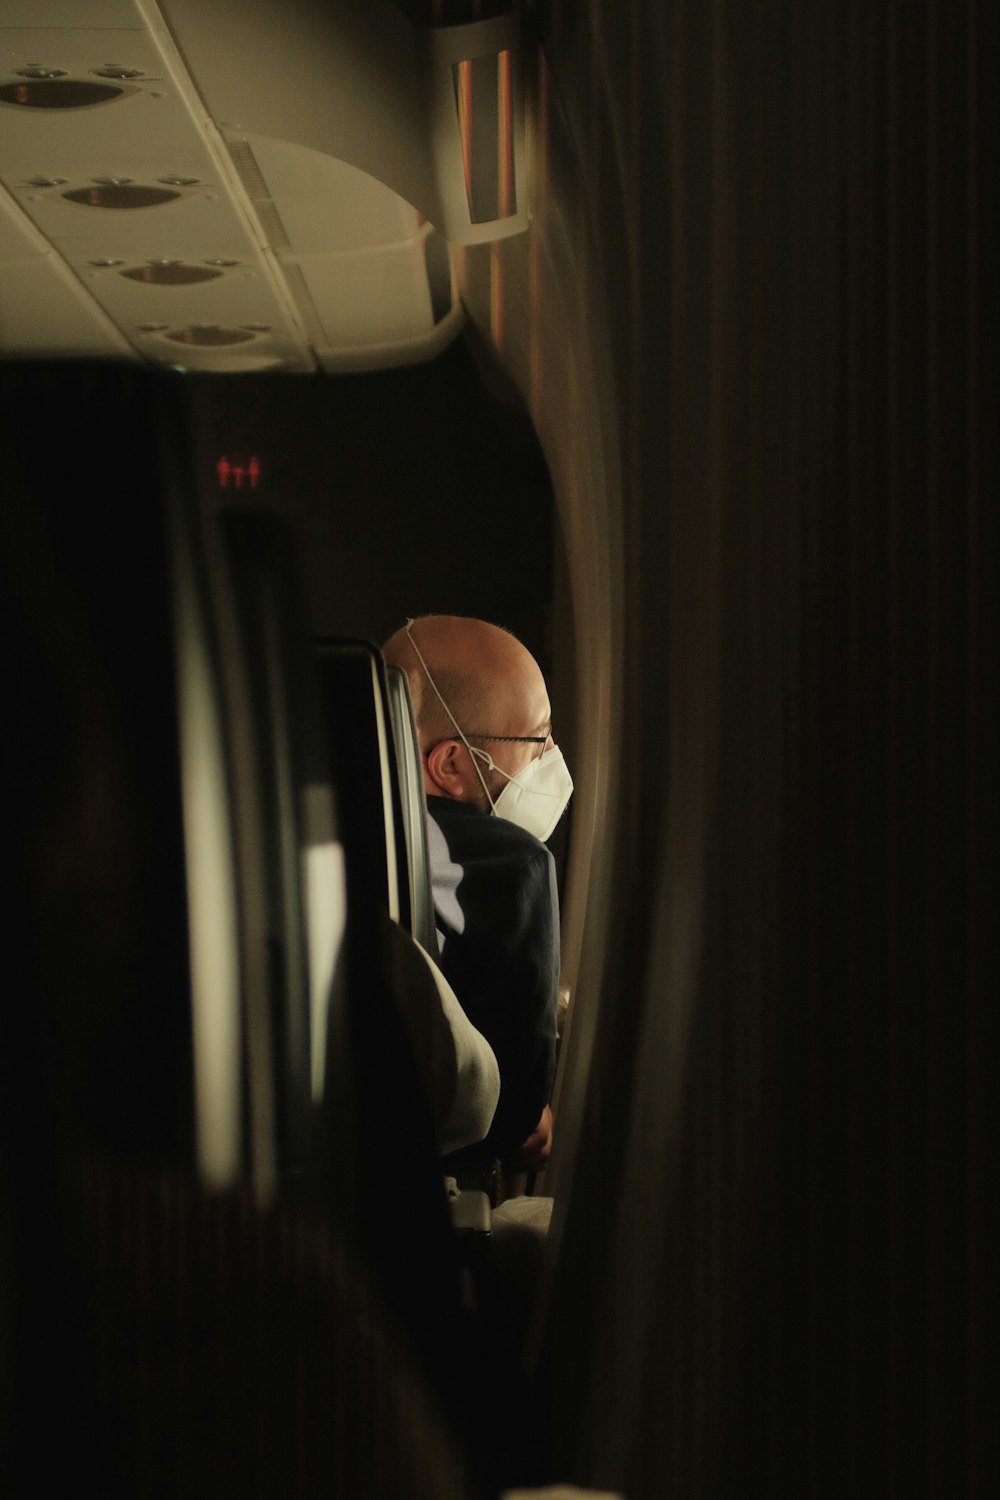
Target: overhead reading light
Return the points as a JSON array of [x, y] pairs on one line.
[[58, 93], [117, 70], [121, 194], [169, 273], [205, 336]]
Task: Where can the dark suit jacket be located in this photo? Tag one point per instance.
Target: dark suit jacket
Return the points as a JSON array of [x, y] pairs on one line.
[[497, 916]]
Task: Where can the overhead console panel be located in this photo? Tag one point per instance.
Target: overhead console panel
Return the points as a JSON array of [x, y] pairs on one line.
[[430, 112], [229, 184]]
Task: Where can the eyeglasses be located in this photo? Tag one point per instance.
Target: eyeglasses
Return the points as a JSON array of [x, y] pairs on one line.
[[510, 739]]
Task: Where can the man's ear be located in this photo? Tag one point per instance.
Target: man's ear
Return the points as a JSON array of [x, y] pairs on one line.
[[443, 763]]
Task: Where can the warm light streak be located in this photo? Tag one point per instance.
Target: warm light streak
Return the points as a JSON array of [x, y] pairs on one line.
[[505, 164], [392, 867], [212, 900], [464, 74], [326, 919]]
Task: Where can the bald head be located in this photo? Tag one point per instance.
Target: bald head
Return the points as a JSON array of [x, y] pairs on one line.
[[491, 683], [489, 680]]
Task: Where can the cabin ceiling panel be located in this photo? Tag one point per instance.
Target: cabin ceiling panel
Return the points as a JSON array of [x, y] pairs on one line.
[[327, 255], [18, 239], [238, 298], [149, 134], [345, 80], [42, 303], [186, 226], [79, 53], [91, 14], [147, 140]]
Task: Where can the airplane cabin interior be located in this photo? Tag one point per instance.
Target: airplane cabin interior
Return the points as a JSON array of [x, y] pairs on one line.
[[663, 334]]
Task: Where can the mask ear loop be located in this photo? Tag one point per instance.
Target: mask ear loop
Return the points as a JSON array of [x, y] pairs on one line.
[[472, 753]]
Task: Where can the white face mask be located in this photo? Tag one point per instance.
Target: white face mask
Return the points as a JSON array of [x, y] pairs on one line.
[[535, 799]]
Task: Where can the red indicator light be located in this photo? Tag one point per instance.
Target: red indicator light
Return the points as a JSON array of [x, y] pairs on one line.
[[238, 473]]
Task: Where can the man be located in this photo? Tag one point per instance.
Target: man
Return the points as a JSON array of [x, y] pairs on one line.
[[496, 786]]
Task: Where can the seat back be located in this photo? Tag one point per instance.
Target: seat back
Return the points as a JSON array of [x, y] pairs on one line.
[[356, 698], [411, 785], [302, 854]]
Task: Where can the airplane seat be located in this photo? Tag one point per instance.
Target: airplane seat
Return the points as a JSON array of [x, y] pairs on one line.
[[403, 1218], [502, 1246], [302, 865], [354, 687], [409, 774], [359, 737], [377, 765]]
